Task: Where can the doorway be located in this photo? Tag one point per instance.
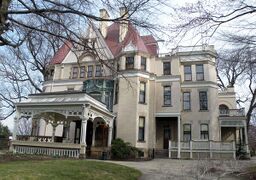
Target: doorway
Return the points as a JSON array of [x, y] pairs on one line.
[[167, 137]]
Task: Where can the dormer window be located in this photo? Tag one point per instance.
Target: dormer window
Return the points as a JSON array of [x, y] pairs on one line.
[[129, 63]]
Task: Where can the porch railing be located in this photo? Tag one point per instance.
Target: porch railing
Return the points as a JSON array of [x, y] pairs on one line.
[[232, 112], [208, 147], [46, 148]]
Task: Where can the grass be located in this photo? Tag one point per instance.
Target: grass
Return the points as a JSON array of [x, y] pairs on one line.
[[65, 169]]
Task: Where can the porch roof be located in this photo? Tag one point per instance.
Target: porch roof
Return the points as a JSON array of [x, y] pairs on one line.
[[62, 99]]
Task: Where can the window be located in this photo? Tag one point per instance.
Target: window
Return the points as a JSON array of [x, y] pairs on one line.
[[142, 97], [141, 129], [204, 132], [186, 101], [98, 72], [90, 71], [82, 71], [203, 100], [223, 109], [187, 73], [116, 92], [129, 64], [143, 63], [199, 72], [186, 132], [167, 95], [167, 68], [75, 72]]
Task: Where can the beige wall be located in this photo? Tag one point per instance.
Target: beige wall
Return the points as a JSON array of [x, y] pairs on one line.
[[128, 110]]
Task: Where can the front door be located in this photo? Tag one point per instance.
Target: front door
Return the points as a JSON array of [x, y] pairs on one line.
[[167, 137]]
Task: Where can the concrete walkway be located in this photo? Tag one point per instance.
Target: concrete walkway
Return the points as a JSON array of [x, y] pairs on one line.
[[162, 169]]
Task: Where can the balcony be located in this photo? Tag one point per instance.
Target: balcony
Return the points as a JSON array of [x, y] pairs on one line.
[[232, 112]]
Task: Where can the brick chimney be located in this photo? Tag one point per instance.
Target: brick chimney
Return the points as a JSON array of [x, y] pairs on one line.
[[104, 24], [123, 29]]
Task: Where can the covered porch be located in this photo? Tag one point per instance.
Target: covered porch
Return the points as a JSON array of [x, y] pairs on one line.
[[233, 128], [64, 124]]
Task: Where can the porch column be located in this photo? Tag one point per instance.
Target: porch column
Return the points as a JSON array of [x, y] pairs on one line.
[[53, 132], [109, 136], [246, 139], [14, 134], [93, 135], [178, 155], [84, 118], [83, 137]]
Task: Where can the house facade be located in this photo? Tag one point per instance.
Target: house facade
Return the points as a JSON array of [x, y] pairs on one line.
[[154, 101]]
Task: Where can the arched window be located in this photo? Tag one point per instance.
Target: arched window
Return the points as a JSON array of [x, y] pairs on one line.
[[223, 109]]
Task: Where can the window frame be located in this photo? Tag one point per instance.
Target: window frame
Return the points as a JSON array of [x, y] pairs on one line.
[[116, 92], [202, 102], [167, 69], [75, 73], [204, 135], [143, 63], [98, 70], [187, 101], [185, 132], [187, 74], [167, 94], [200, 73], [142, 93], [141, 129], [90, 72], [129, 62], [82, 71]]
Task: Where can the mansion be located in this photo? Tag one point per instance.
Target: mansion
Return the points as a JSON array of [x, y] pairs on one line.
[[165, 104]]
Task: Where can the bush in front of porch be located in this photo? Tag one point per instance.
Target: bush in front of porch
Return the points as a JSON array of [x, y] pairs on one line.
[[123, 150]]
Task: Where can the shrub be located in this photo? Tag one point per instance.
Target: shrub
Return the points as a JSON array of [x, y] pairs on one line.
[[123, 150]]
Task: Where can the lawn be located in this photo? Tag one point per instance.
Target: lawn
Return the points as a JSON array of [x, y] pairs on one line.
[[65, 169]]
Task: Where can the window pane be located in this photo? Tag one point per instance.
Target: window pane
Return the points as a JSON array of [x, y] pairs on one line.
[[167, 68], [90, 71], [187, 73], [75, 72], [142, 92], [129, 62], [98, 71], [203, 100], [187, 127], [141, 133], [141, 122], [199, 72], [143, 63], [186, 101], [167, 95], [204, 127], [82, 71]]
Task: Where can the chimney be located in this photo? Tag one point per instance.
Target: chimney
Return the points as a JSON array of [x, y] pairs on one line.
[[123, 29], [104, 24]]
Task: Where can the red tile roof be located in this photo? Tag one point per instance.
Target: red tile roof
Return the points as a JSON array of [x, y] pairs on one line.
[[143, 43], [61, 53], [146, 44]]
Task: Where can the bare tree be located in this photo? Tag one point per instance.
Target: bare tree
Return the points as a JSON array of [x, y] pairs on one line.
[[70, 16], [205, 18], [238, 67]]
